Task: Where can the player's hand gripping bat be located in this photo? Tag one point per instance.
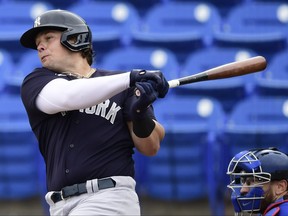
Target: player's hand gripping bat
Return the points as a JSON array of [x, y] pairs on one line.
[[232, 69]]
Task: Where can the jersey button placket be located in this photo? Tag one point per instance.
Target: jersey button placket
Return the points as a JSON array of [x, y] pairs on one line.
[[71, 146]]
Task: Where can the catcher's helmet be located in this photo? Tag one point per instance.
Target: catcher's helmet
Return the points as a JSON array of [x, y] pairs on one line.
[[261, 166], [68, 22]]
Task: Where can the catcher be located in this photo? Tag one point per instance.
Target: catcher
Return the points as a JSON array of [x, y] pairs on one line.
[[259, 182]]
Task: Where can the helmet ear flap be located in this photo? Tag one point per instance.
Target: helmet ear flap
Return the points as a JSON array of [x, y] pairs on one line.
[[83, 41]]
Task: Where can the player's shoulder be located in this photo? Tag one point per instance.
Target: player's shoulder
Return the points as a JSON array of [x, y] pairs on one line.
[[40, 71], [44, 72], [284, 208], [278, 209], [41, 76]]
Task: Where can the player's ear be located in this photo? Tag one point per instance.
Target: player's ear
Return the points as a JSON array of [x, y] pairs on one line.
[[281, 187]]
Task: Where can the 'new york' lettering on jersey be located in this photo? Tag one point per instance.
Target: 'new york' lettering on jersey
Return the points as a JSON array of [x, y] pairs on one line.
[[103, 111]]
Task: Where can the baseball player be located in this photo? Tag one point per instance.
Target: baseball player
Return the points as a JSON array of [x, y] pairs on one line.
[[88, 121], [259, 182]]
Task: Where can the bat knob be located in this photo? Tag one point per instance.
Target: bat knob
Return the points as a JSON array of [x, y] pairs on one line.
[[137, 92]]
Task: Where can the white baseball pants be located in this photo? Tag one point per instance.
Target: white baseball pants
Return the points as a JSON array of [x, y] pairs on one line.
[[119, 200]]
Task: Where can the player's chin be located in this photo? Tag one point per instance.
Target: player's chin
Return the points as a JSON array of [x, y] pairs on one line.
[[44, 63], [48, 64]]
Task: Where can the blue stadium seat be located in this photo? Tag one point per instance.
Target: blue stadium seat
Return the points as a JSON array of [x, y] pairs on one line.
[[110, 22], [18, 148], [13, 114], [22, 188], [27, 62], [228, 91], [224, 6], [179, 26], [220, 2], [150, 58], [16, 17], [262, 26], [142, 5], [256, 122], [274, 80], [54, 3], [6, 67], [178, 172]]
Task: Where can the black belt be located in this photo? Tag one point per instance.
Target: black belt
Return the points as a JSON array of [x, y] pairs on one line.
[[77, 189]]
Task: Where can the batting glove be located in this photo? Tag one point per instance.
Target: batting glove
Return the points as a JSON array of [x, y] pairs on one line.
[[161, 85], [145, 96]]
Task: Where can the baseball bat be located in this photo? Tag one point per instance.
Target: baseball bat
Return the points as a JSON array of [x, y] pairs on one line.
[[233, 69]]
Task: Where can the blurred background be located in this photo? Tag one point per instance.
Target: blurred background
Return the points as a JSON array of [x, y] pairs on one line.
[[206, 123]]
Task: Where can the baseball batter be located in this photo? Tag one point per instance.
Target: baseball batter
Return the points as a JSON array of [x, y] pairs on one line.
[[88, 121]]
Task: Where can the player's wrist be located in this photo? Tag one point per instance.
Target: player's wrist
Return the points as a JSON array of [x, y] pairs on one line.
[[143, 127]]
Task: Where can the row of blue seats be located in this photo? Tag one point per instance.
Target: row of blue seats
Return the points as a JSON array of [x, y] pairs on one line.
[[180, 26], [272, 81], [18, 151], [144, 5]]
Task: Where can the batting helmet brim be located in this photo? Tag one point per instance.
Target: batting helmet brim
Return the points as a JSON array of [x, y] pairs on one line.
[[28, 38]]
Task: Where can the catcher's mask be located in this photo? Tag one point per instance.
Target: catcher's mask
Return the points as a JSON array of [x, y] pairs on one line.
[[253, 169], [71, 24]]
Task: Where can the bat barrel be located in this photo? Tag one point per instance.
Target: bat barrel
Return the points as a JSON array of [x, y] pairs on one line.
[[238, 68], [233, 69]]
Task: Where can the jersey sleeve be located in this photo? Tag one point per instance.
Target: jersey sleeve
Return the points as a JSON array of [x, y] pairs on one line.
[[31, 87]]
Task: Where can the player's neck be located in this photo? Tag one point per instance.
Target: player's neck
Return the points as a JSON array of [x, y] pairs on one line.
[[81, 75], [79, 69]]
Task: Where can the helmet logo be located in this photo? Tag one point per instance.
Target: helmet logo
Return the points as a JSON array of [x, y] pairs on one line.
[[37, 22]]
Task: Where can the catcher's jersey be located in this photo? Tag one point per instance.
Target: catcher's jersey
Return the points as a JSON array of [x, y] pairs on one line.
[[82, 144], [278, 208]]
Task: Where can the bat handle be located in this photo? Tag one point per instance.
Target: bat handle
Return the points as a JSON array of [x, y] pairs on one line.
[[173, 83]]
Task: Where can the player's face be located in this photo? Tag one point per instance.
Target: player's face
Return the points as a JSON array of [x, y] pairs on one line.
[[51, 53], [268, 188], [247, 183]]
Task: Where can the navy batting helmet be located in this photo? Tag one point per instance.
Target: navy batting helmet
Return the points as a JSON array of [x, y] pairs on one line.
[[71, 25], [261, 166]]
